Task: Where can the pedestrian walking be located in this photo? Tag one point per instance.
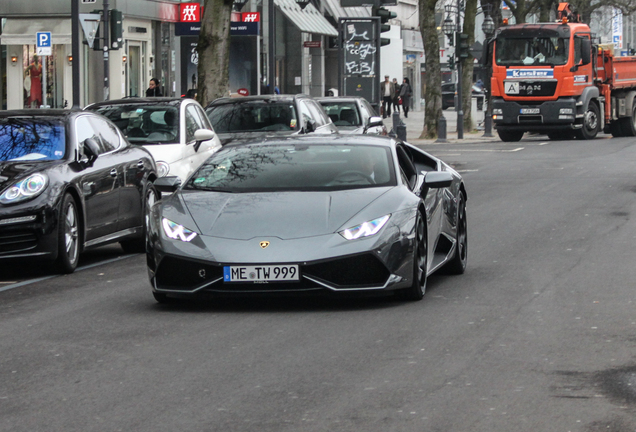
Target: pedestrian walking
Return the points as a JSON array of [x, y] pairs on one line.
[[396, 96], [406, 92], [387, 90]]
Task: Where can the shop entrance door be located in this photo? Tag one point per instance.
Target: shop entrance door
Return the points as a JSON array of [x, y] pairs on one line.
[[134, 70]]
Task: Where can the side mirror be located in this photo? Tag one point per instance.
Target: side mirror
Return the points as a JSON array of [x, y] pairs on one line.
[[201, 135], [438, 180], [586, 51], [167, 184], [374, 121], [310, 126], [91, 149]]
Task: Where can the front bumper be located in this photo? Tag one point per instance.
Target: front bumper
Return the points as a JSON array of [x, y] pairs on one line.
[[531, 117], [29, 233]]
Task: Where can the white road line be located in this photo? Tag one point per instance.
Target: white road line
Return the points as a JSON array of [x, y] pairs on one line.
[[467, 171], [43, 278]]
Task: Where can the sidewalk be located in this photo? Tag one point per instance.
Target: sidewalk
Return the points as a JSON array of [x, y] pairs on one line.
[[415, 124]]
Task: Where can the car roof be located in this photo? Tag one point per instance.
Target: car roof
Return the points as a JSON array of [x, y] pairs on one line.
[[316, 139], [140, 101], [339, 98], [61, 113], [265, 98]]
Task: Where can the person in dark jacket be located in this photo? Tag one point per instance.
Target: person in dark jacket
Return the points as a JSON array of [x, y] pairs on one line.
[[406, 92], [153, 88]]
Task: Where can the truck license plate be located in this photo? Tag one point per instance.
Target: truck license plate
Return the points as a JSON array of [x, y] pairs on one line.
[[530, 111]]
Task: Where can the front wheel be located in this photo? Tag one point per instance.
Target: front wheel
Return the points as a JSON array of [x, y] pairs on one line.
[[68, 238], [591, 124], [510, 136], [457, 265], [420, 263]]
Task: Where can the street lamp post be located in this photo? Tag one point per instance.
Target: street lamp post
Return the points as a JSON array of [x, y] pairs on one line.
[[488, 27]]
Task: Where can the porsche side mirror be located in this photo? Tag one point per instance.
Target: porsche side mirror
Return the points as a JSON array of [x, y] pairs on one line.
[[201, 135], [167, 184], [437, 179], [91, 149]]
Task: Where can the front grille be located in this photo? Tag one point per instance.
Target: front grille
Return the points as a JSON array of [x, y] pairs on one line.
[[178, 274], [530, 119], [536, 88], [17, 240], [356, 271]]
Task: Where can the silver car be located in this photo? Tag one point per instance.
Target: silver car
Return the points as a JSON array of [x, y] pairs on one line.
[[353, 115]]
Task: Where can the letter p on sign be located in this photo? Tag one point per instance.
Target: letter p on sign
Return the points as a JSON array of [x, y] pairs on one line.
[[43, 43]]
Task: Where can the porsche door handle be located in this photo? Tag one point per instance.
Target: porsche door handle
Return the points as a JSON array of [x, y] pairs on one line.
[[113, 172]]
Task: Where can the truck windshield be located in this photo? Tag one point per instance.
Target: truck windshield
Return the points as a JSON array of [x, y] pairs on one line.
[[531, 51]]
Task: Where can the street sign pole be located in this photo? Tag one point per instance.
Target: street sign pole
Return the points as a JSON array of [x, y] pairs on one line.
[[75, 52], [106, 53]]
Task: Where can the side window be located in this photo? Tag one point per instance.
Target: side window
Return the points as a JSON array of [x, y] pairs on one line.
[[205, 121], [577, 50], [317, 113], [192, 122], [83, 130], [305, 113], [370, 109], [108, 133]]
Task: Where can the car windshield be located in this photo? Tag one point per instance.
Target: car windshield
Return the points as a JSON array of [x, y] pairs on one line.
[[253, 116], [342, 113], [295, 167], [531, 51], [29, 139], [145, 124]]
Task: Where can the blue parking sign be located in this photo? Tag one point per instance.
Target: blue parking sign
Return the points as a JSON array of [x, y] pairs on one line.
[[43, 43]]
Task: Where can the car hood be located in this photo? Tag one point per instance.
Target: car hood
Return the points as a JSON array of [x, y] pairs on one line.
[[233, 137], [10, 172], [286, 215]]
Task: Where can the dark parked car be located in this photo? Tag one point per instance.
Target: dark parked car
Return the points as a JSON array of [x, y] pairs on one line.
[[255, 117], [353, 115], [69, 181], [338, 213], [449, 93]]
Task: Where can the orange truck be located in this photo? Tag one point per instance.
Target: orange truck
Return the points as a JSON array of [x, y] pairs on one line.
[[552, 78]]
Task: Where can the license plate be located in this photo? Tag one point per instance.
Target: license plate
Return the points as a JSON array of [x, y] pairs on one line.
[[530, 110], [261, 273]]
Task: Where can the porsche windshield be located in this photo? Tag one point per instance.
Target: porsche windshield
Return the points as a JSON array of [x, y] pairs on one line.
[[31, 139], [531, 51], [145, 124], [254, 116], [296, 167]]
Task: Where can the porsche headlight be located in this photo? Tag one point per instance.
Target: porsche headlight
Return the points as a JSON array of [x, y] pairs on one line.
[[163, 168], [177, 232], [28, 188], [365, 229]]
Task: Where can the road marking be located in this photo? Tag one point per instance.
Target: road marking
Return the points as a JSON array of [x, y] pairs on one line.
[[43, 278], [468, 170], [544, 143], [483, 151]]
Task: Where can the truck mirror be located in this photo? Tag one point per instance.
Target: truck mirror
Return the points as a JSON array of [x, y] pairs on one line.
[[586, 51]]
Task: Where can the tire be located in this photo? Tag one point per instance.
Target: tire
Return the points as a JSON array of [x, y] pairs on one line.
[[510, 136], [616, 129], [628, 124], [420, 263], [139, 245], [161, 298], [561, 136], [457, 265], [68, 237], [591, 123]]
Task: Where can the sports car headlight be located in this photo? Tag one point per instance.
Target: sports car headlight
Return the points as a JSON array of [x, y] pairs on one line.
[[163, 168], [28, 188], [365, 229], [177, 232]]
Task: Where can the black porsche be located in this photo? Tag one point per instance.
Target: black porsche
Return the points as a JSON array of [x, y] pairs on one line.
[[69, 180], [333, 213]]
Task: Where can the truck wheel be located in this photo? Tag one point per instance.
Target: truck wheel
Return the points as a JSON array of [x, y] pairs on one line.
[[591, 123], [616, 129], [510, 136], [627, 123]]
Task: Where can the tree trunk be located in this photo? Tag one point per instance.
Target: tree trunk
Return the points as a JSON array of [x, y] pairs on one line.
[[433, 81], [214, 51]]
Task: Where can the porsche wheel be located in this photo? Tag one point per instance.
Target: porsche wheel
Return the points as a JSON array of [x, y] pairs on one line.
[[457, 265], [139, 245], [420, 256], [68, 236]]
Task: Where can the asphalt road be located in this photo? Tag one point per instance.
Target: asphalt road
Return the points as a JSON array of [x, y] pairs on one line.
[[538, 335]]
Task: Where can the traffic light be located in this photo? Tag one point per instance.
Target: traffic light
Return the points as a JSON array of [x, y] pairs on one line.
[[385, 15], [462, 46], [116, 29], [451, 62]]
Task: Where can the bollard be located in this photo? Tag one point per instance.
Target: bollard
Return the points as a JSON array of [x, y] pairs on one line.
[[441, 129], [401, 131], [395, 117]]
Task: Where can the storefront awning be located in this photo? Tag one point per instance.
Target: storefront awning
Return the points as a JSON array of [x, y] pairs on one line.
[[22, 31], [308, 20], [337, 11]]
